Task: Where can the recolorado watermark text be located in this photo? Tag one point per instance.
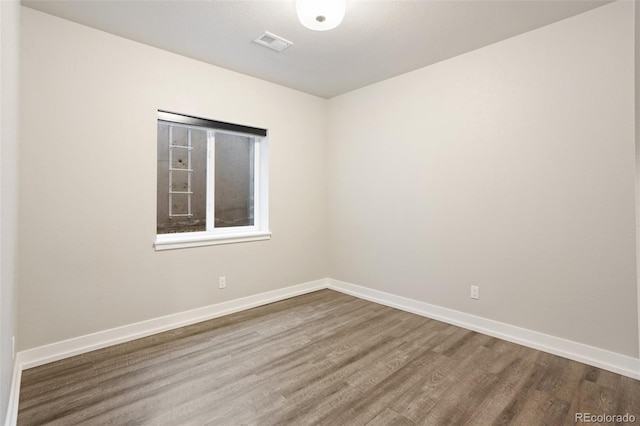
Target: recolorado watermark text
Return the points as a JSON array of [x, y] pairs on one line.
[[604, 418]]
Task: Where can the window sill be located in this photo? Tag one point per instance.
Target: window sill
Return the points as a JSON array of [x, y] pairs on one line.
[[179, 241]]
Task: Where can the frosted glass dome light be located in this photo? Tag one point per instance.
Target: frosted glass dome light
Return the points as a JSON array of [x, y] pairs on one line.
[[320, 15]]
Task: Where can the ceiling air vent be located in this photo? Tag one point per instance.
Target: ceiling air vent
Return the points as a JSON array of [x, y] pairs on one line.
[[272, 41]]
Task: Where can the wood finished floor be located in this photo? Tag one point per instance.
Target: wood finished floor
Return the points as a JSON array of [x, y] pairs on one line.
[[324, 358]]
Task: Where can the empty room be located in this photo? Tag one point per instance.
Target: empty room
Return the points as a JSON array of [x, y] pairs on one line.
[[334, 212]]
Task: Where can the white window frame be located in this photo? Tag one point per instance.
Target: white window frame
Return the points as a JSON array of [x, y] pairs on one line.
[[259, 231]]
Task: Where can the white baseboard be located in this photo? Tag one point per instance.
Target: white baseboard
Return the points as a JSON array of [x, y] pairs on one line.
[[596, 357], [67, 348], [14, 393], [90, 342], [611, 361]]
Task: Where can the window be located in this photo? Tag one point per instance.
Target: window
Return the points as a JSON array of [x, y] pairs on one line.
[[212, 182]]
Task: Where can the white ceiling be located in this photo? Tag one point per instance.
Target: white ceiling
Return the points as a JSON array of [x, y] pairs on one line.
[[377, 39]]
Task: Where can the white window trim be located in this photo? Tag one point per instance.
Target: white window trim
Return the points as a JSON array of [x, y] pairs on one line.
[[229, 235], [199, 239]]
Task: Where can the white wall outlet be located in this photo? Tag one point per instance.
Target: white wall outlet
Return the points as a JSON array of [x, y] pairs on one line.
[[222, 282], [475, 292]]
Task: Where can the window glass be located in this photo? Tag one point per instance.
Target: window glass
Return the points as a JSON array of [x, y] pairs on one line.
[[212, 182], [182, 176], [234, 180]]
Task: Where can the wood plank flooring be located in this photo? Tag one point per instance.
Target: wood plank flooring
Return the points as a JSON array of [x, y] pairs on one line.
[[324, 358]]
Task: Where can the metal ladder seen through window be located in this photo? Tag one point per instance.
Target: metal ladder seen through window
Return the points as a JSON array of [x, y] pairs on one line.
[[188, 170]]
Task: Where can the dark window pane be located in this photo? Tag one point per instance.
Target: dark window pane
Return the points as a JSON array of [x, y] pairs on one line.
[[182, 175], [234, 180]]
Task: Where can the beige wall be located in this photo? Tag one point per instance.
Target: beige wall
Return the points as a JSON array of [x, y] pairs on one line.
[[637, 111], [9, 108], [88, 189], [511, 168]]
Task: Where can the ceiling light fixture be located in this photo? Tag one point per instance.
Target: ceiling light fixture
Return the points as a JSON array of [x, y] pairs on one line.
[[320, 15]]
